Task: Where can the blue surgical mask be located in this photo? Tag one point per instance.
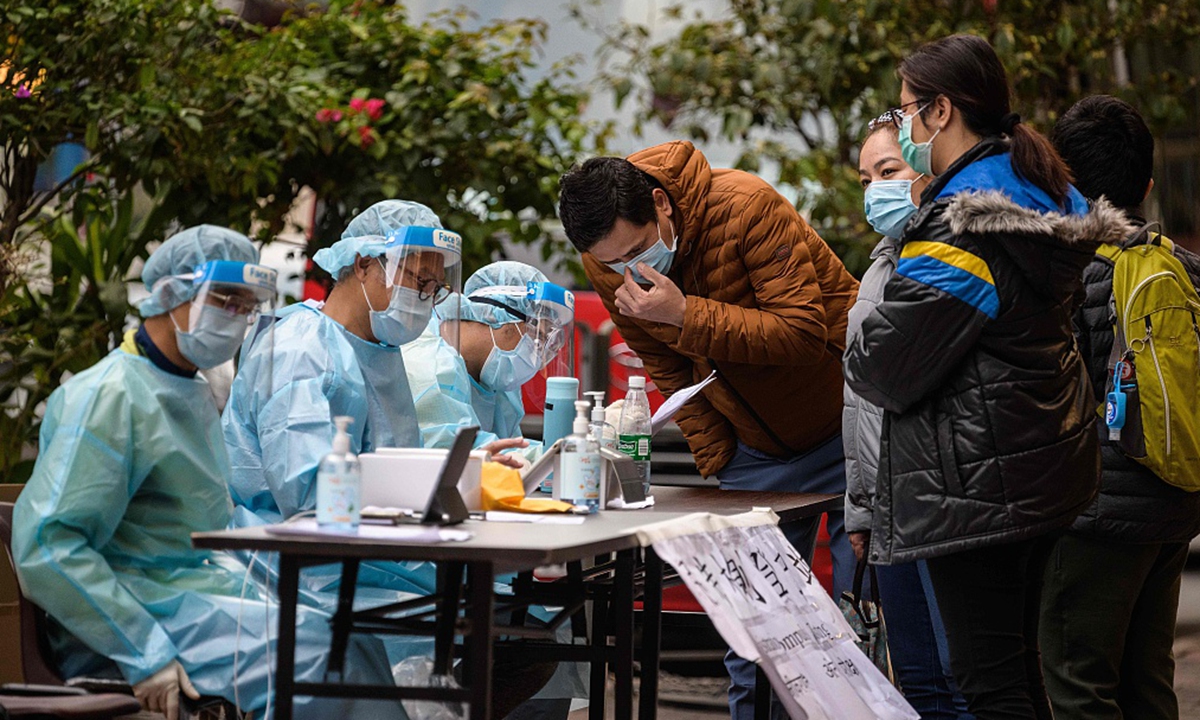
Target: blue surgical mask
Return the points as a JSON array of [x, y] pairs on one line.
[[656, 256], [509, 369], [403, 320], [888, 205], [213, 339], [919, 156]]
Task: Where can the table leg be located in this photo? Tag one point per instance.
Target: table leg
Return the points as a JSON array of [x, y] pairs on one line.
[[450, 576], [651, 636], [599, 664], [623, 627], [285, 648], [762, 694], [478, 643], [342, 619]]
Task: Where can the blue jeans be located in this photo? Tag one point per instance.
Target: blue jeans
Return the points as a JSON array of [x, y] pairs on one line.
[[917, 642], [820, 470]]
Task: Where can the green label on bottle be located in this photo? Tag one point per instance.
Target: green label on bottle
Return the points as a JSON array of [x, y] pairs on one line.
[[635, 446]]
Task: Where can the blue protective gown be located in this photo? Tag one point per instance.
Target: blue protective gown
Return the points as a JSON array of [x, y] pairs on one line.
[[279, 424], [448, 398], [131, 463]]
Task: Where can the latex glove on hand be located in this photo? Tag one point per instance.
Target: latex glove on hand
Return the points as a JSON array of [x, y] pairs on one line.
[[612, 413], [497, 447], [160, 692]]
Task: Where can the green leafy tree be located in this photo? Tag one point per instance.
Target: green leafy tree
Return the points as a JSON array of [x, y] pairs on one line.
[[190, 115], [795, 81]]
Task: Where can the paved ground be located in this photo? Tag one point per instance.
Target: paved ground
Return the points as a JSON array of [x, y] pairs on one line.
[[707, 694], [1187, 646]]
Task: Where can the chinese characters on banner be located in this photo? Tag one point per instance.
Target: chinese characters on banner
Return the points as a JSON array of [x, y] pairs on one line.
[[765, 602]]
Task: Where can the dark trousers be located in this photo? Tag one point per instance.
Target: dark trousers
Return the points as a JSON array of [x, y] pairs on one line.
[[990, 600], [917, 642], [1108, 628]]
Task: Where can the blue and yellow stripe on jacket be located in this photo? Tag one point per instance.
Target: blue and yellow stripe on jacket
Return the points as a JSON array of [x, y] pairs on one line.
[[952, 270]]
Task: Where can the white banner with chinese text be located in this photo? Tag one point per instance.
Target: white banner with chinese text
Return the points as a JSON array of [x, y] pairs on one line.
[[764, 600]]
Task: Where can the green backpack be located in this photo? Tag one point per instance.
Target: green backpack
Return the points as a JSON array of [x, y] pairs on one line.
[[1153, 401]]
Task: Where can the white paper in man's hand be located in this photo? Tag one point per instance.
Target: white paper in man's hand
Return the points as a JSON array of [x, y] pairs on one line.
[[667, 410]]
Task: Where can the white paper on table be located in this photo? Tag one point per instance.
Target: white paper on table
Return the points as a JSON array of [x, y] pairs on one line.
[[406, 533], [667, 410], [540, 518]]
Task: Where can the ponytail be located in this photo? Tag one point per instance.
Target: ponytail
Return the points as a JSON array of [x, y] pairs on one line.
[[1035, 159]]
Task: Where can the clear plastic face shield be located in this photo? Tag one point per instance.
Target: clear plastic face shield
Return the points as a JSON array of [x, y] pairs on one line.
[[543, 314], [422, 273], [228, 300]]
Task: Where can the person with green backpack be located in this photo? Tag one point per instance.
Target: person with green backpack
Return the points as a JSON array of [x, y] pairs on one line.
[[1112, 584]]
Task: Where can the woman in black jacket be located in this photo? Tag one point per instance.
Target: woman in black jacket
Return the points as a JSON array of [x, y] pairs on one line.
[[989, 445]]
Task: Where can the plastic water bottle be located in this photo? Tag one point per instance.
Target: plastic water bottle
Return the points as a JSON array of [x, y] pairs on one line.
[[339, 483], [578, 476], [633, 431]]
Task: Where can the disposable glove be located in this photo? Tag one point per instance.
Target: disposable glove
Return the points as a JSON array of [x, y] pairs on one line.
[[160, 692]]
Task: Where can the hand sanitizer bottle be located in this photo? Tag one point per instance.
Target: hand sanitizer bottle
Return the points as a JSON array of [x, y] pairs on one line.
[[601, 431], [339, 483], [578, 474]]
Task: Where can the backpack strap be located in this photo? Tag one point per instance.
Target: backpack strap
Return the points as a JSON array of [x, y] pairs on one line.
[[1142, 236]]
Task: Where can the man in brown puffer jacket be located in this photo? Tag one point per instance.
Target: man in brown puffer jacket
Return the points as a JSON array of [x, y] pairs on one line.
[[705, 270]]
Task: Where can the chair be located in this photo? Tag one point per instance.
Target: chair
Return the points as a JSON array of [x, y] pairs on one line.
[[43, 693]]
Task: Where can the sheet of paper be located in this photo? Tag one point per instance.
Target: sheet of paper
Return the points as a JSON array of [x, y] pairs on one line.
[[543, 519], [667, 410], [406, 533]]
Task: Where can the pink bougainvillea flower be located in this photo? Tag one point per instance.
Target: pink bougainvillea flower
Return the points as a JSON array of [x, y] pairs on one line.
[[375, 108], [337, 116], [23, 92], [358, 104], [365, 137], [325, 115]]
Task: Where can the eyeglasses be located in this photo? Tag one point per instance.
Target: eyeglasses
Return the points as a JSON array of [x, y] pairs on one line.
[[428, 287], [893, 116], [233, 303]]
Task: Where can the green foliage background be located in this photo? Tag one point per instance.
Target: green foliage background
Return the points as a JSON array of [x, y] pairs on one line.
[[794, 82], [190, 115]]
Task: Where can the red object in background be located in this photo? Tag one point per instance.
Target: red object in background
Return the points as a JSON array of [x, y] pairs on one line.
[[313, 289]]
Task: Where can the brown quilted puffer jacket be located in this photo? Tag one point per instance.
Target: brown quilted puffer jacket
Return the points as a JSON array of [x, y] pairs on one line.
[[766, 307]]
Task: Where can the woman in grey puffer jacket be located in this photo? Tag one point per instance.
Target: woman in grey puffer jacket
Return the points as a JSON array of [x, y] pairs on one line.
[[916, 636]]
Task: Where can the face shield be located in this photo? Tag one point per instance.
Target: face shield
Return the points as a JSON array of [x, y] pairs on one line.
[[227, 299], [422, 271], [544, 314]]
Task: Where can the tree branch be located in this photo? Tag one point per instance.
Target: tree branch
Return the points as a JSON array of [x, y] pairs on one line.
[[36, 208]]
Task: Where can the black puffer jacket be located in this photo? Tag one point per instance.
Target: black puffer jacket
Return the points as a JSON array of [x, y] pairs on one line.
[[1134, 505], [990, 429]]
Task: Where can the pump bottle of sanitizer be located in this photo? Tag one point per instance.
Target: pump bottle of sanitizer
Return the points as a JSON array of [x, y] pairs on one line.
[[339, 483], [578, 472]]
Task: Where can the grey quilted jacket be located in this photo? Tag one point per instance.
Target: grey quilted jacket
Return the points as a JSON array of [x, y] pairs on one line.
[[862, 422]]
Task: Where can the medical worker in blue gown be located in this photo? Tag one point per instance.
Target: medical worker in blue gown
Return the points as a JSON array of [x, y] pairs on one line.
[[392, 265], [131, 463], [511, 323]]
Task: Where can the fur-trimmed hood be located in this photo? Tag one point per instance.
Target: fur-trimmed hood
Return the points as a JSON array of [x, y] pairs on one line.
[[1051, 249], [991, 212]]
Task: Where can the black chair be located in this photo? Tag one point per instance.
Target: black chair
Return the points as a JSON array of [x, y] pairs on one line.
[[43, 694]]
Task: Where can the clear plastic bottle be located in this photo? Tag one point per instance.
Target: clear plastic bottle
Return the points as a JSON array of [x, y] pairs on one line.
[[578, 475], [633, 432], [339, 483]]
